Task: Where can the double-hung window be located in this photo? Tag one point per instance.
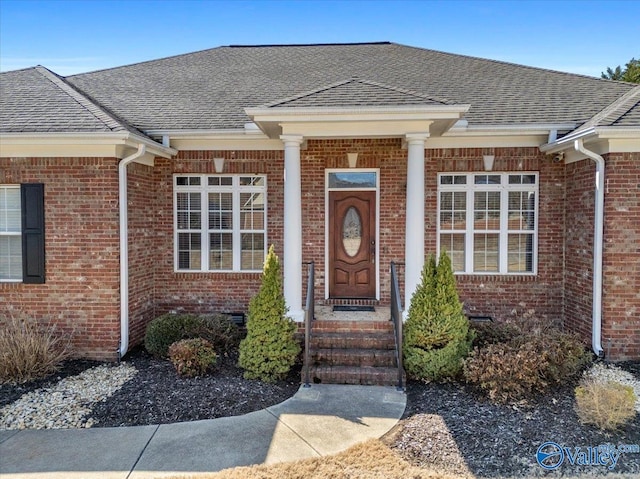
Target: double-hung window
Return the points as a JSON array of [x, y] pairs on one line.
[[220, 222], [487, 222], [10, 233]]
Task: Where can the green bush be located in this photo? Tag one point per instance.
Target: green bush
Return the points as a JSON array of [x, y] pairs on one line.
[[269, 350], [192, 357], [437, 335], [29, 350], [606, 404], [165, 330], [169, 328]]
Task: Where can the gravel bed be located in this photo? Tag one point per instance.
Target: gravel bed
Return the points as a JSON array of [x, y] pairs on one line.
[[68, 403], [452, 428]]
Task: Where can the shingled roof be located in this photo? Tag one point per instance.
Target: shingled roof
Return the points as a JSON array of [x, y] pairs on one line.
[[36, 100], [210, 89]]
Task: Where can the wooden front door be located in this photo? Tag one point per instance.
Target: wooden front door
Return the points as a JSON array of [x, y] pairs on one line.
[[352, 244]]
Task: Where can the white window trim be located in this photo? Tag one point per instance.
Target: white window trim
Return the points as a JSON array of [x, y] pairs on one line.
[[204, 231], [469, 188], [12, 233]]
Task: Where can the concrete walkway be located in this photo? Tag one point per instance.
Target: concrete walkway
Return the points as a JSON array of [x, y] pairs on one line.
[[317, 421]]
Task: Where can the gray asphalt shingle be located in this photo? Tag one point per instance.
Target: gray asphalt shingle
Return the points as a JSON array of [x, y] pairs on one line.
[[210, 89]]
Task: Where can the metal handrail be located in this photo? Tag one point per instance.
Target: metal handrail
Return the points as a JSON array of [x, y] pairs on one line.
[[309, 315], [396, 318]]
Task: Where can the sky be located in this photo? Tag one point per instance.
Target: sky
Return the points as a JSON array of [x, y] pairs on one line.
[[76, 36]]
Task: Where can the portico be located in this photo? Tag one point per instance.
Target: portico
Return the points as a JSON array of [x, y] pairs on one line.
[[333, 113]]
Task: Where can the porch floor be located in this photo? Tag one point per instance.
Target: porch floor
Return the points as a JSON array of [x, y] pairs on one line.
[[325, 312]]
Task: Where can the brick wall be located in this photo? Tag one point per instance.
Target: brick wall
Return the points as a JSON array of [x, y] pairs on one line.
[[621, 285], [505, 297], [211, 292], [578, 282], [143, 248], [81, 228]]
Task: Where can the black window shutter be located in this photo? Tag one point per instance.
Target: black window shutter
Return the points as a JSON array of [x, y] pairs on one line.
[[32, 197]]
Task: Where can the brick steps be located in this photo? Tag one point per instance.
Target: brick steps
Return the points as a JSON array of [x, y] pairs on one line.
[[353, 352], [366, 375], [354, 357]]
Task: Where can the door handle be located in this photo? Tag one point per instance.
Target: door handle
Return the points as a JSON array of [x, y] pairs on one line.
[[373, 252]]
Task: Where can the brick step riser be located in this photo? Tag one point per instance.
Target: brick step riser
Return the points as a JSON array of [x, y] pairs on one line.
[[353, 326], [337, 357], [363, 376], [352, 343]]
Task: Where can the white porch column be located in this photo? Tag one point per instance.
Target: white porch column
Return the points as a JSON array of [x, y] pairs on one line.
[[414, 232], [292, 227]]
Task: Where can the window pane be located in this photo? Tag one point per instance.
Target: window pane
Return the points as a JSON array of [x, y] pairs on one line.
[[251, 211], [486, 210], [10, 218], [220, 181], [487, 179], [220, 211], [11, 257], [189, 247], [522, 210], [252, 180], [252, 255], [520, 253], [188, 211], [221, 251], [453, 244], [453, 210], [485, 252], [352, 180]]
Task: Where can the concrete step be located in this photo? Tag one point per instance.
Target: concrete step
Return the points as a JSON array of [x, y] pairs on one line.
[[365, 375], [354, 357], [352, 340]]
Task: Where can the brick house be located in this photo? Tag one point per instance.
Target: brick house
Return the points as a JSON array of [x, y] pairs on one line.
[[133, 191]]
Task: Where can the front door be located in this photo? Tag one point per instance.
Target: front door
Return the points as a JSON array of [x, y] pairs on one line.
[[352, 244]]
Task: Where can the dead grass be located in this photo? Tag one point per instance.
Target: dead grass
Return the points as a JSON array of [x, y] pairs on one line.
[[29, 350], [369, 460], [607, 404]]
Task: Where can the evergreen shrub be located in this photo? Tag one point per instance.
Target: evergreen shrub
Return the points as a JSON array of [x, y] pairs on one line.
[[270, 349], [437, 336]]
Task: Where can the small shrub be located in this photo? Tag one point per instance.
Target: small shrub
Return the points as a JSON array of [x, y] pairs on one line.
[[165, 330], [192, 357], [490, 332], [606, 404], [221, 332], [29, 351], [270, 349], [437, 335], [507, 372]]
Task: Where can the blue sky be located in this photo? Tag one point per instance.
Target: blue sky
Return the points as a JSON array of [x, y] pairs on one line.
[[85, 35]]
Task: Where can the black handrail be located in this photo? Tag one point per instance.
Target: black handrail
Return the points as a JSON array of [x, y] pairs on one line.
[[396, 318], [309, 315]]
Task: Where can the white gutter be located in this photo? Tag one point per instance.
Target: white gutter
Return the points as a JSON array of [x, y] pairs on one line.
[[124, 248], [598, 245]]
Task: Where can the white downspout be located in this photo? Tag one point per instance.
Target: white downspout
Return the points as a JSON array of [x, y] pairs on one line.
[[598, 246], [124, 248]]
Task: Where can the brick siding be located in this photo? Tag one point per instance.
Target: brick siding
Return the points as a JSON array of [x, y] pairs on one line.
[[81, 293]]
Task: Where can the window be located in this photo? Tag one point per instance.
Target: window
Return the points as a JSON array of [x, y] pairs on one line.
[[10, 233], [22, 255], [487, 223], [220, 222]]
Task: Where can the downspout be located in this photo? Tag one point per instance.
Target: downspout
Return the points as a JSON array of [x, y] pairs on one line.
[[598, 246], [124, 248]]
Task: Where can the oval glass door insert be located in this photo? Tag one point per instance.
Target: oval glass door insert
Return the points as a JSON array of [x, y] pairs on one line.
[[352, 232]]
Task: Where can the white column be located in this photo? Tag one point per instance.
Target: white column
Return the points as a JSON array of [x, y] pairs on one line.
[[414, 232], [292, 260]]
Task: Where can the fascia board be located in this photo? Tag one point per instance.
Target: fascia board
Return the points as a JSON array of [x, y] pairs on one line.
[[357, 113], [31, 141], [516, 129]]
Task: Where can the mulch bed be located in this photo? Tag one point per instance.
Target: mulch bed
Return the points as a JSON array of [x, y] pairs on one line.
[[447, 426]]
